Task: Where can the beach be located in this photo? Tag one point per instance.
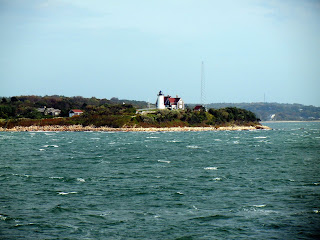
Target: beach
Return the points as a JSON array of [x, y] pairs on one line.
[[80, 128]]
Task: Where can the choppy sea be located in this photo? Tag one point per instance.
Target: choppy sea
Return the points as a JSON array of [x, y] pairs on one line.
[[161, 185]]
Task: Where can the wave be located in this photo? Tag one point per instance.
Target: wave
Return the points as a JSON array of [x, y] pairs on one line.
[[164, 161], [193, 146], [211, 217], [58, 209], [211, 168], [260, 206], [56, 177], [80, 180], [66, 193], [3, 217]]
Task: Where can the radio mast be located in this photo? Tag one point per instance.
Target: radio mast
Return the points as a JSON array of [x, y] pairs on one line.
[[203, 97]]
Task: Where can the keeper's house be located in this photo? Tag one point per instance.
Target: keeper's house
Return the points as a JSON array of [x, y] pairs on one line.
[[75, 112], [168, 102]]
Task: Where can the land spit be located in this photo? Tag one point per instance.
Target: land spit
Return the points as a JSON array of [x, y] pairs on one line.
[[80, 128]]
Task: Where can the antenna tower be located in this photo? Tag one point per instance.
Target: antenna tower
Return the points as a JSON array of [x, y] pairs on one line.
[[203, 97]]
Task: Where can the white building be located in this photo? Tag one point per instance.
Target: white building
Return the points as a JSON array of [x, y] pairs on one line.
[[167, 102], [75, 112], [160, 101]]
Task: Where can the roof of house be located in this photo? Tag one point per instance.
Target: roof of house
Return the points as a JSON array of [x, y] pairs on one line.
[[197, 107], [172, 101], [76, 111]]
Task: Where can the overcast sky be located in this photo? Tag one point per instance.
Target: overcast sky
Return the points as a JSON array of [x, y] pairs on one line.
[[132, 49]]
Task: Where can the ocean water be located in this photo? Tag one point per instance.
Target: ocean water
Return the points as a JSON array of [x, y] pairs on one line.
[[161, 185]]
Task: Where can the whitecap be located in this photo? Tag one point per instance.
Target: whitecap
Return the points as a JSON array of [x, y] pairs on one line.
[[41, 149], [3, 218], [236, 142], [316, 183], [173, 141], [56, 177], [180, 193], [95, 138], [316, 211], [193, 146], [80, 180], [164, 161], [50, 146], [49, 134], [152, 137], [66, 193], [217, 179], [105, 214], [259, 206], [260, 137], [211, 168]]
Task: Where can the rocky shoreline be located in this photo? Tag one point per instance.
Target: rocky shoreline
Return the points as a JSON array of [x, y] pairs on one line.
[[80, 128]]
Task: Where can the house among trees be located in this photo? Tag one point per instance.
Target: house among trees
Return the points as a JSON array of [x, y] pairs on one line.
[[199, 108], [168, 102], [49, 111], [75, 112]]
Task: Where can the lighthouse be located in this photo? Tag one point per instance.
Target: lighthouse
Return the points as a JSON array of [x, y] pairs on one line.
[[160, 101]]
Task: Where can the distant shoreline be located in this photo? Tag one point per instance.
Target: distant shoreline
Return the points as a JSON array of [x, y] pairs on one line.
[[293, 121], [80, 128]]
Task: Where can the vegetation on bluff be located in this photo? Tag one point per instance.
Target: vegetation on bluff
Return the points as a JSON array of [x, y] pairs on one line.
[[124, 115], [213, 117], [26, 106]]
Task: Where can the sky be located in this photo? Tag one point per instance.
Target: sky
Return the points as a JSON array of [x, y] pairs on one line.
[[252, 50]]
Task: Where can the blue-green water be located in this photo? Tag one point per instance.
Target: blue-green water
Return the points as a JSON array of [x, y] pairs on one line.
[[168, 185]]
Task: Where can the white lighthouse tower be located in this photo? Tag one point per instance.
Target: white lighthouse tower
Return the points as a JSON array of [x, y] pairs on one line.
[[160, 101]]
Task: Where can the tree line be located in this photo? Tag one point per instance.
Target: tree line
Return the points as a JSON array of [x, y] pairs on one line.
[[188, 117], [26, 106], [279, 111], [117, 113]]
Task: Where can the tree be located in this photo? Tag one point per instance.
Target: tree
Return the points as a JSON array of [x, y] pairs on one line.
[[4, 100], [14, 99]]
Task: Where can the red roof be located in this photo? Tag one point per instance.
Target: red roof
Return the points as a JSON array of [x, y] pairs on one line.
[[76, 111], [198, 107], [172, 101]]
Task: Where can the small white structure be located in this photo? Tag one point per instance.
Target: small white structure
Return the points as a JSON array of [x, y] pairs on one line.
[[160, 101], [273, 117], [75, 112], [167, 102]]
